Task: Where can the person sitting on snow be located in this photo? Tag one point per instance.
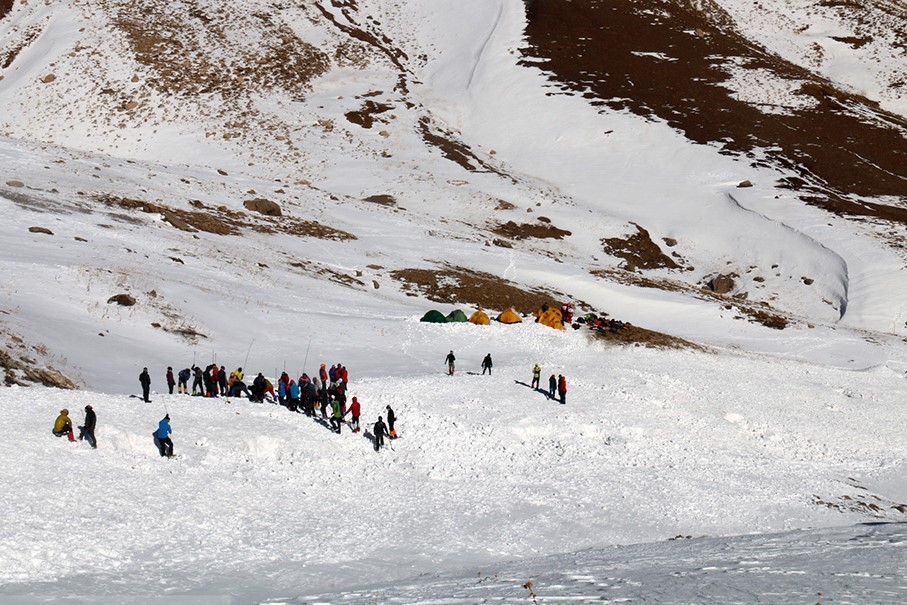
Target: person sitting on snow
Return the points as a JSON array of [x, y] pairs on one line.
[[63, 425]]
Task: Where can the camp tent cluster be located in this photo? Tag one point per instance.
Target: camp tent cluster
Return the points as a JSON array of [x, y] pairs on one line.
[[548, 316]]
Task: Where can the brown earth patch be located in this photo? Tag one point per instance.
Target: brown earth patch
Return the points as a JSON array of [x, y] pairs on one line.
[[5, 7], [454, 150], [8, 54], [539, 230], [205, 58], [755, 311], [459, 285], [381, 199], [370, 35], [630, 334], [323, 271], [365, 117], [614, 52], [221, 220], [638, 251]]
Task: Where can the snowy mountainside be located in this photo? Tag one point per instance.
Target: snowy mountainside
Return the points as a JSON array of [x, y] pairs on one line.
[[278, 185], [409, 128]]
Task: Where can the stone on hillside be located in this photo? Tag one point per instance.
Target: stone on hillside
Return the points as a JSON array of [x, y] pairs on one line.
[[721, 284], [263, 206], [124, 300], [40, 230], [745, 184], [48, 78], [16, 184]]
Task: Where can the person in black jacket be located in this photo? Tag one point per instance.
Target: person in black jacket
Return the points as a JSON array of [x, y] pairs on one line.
[[486, 364], [380, 432], [391, 419], [171, 381], [145, 381], [86, 431]]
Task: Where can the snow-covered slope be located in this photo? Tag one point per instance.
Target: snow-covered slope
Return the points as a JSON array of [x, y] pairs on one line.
[[263, 502], [426, 155]]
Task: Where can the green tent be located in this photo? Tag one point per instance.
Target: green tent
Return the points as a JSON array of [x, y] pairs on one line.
[[435, 317], [457, 315]]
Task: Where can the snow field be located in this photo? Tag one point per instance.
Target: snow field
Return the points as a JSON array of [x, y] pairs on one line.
[[651, 444]]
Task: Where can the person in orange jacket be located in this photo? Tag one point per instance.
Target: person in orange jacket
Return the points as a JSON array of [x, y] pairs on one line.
[[562, 388]]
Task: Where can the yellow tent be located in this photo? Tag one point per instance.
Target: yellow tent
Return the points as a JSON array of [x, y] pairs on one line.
[[479, 318], [509, 317], [551, 318]]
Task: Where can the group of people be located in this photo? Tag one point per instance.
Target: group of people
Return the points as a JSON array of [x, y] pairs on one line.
[[558, 385], [324, 392], [63, 426]]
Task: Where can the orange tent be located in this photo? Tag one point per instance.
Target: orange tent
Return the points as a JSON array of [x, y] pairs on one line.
[[509, 317], [551, 318], [479, 318]]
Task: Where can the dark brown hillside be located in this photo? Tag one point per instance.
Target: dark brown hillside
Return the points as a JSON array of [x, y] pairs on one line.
[[5, 7], [667, 60]]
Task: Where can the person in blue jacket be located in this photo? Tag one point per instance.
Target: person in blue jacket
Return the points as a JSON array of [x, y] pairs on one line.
[[162, 437], [293, 396]]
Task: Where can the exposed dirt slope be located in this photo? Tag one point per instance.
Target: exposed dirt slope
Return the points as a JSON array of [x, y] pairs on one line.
[[671, 61]]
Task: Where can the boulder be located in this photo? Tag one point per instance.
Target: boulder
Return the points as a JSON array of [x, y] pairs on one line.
[[263, 206], [123, 300]]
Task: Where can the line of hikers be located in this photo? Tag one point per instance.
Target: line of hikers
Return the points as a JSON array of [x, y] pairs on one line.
[[558, 384]]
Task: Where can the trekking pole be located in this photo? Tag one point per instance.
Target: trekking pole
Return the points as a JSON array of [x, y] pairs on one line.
[[306, 353], [249, 350]]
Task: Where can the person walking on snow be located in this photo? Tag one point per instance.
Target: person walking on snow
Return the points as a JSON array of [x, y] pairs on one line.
[[391, 419], [486, 364], [562, 388], [170, 380], [162, 435], [450, 359], [145, 381], [536, 376], [86, 431], [336, 415], [380, 432], [63, 425], [354, 415], [552, 386]]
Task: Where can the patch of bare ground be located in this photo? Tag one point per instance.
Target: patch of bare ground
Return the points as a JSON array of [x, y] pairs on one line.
[[538, 230], [21, 366], [864, 502], [638, 251], [365, 117], [454, 150], [368, 34], [755, 311], [381, 199], [221, 220], [5, 7], [12, 50], [323, 271], [204, 58], [634, 335], [670, 62], [459, 285]]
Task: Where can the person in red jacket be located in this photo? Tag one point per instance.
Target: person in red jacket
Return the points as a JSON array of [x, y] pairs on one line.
[[562, 388], [171, 381], [354, 415]]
